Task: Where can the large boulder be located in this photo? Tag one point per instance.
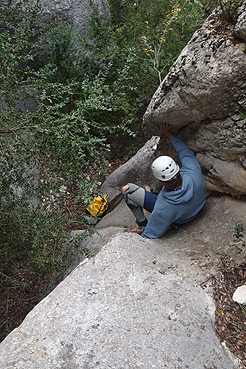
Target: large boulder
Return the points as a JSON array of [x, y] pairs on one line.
[[203, 97], [138, 303], [208, 80]]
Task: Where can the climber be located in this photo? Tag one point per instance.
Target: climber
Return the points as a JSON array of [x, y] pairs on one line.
[[181, 198]]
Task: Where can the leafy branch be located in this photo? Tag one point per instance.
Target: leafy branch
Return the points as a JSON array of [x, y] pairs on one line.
[[154, 50]]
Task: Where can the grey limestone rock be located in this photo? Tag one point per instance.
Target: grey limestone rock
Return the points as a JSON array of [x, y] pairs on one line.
[[118, 311], [137, 304], [208, 81], [136, 170], [221, 151], [240, 27], [240, 295]]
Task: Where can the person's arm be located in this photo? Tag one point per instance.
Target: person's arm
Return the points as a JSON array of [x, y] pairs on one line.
[[159, 221], [157, 229], [186, 155]]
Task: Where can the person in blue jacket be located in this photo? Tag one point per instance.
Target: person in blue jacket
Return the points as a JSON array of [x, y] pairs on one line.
[[181, 198]]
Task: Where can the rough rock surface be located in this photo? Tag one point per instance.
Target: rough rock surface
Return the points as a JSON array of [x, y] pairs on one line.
[[136, 170], [76, 12], [71, 258], [240, 27], [203, 97], [208, 80], [221, 147], [137, 304]]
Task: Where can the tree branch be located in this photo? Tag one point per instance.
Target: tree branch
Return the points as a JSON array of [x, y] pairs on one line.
[[16, 129]]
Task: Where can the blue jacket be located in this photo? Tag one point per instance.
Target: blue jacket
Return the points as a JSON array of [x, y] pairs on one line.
[[180, 206]]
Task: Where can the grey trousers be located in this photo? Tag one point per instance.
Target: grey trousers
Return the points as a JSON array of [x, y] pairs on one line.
[[134, 198]]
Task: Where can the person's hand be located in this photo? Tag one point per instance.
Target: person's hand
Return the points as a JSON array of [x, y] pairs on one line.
[[165, 129], [125, 188]]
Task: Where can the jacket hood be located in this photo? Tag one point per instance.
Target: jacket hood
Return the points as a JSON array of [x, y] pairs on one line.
[[181, 196]]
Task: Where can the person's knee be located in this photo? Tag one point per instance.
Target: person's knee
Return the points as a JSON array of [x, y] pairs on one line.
[[134, 194], [127, 191], [130, 188]]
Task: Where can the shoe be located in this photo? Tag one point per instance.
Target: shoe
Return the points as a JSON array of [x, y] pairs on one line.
[[143, 223], [138, 230]]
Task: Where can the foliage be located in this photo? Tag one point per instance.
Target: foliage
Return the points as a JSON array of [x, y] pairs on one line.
[[160, 45], [238, 231], [242, 113], [160, 29], [33, 231], [228, 8], [243, 308]]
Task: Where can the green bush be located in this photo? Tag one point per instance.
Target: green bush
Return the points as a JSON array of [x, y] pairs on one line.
[[228, 8]]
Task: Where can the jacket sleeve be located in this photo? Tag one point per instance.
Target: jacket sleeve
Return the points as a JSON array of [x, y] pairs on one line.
[[187, 157], [157, 225]]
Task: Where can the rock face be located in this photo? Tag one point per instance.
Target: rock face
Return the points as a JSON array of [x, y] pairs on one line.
[[240, 28], [137, 304], [205, 92], [76, 12], [221, 147], [208, 80]]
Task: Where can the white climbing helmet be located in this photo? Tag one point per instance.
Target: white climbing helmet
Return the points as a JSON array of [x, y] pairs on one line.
[[164, 168]]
